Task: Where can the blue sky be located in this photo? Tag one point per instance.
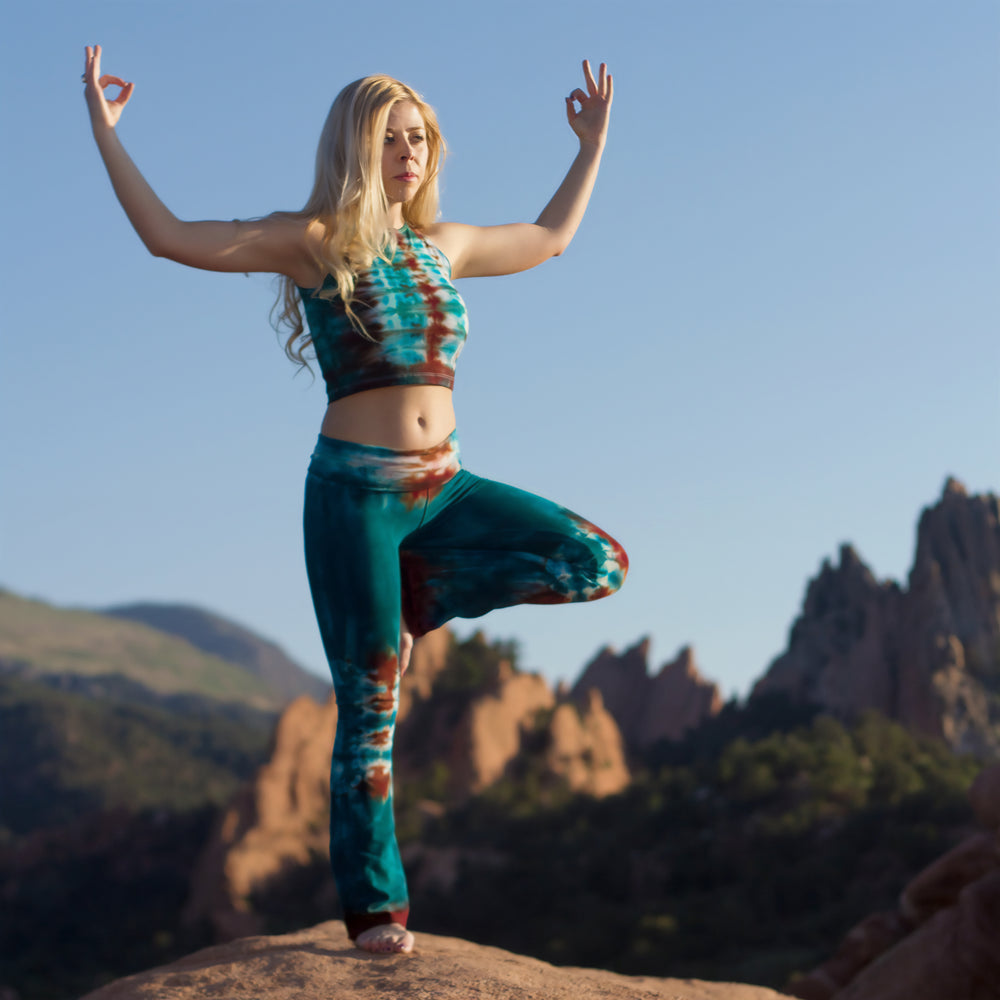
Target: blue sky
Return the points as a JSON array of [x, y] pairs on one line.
[[776, 330]]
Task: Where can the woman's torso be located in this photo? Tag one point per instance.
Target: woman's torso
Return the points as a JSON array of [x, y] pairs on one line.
[[401, 417], [398, 416]]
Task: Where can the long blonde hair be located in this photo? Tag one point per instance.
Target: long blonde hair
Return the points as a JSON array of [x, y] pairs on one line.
[[348, 197]]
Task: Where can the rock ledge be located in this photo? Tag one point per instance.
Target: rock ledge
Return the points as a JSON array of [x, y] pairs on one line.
[[320, 962]]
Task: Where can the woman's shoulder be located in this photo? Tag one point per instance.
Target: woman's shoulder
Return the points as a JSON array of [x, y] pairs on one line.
[[450, 238], [305, 232], [446, 231]]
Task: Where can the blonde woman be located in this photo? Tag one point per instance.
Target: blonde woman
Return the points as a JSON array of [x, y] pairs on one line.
[[399, 537]]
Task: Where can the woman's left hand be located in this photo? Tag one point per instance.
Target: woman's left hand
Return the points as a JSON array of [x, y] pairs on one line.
[[104, 113], [590, 123]]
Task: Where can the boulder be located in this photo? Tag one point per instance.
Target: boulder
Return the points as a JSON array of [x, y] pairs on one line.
[[985, 797], [943, 942], [955, 954]]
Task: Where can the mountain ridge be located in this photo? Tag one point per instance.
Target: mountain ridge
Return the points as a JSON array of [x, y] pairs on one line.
[[39, 641], [229, 640]]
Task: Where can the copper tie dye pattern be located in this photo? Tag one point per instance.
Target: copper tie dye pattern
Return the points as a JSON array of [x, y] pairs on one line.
[[412, 312], [413, 532]]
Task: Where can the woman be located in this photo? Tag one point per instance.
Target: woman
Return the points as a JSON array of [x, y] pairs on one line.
[[399, 537]]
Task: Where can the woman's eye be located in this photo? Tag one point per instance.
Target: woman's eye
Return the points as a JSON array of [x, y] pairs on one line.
[[418, 138]]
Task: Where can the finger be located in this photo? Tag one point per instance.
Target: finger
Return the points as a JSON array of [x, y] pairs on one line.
[[122, 99], [577, 95], [602, 77], [611, 90], [589, 77], [108, 81], [88, 67]]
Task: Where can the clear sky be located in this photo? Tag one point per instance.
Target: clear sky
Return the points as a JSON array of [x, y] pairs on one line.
[[776, 330]]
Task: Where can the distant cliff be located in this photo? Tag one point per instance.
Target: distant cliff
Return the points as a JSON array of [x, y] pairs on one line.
[[928, 654], [649, 708]]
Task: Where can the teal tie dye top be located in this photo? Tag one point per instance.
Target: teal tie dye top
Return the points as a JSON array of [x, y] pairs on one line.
[[410, 307]]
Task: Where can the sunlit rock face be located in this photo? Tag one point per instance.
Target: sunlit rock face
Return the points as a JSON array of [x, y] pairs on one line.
[[277, 826], [927, 655]]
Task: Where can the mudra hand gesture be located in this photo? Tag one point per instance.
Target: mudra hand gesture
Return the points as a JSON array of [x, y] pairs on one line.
[[590, 123], [102, 111]]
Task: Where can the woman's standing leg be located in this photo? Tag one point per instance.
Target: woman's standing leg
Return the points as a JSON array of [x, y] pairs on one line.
[[352, 555]]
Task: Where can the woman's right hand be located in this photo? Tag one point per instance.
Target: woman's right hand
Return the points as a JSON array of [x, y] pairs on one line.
[[103, 113], [282, 244]]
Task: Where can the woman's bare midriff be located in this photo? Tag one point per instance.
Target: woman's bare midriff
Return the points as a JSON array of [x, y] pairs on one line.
[[401, 417]]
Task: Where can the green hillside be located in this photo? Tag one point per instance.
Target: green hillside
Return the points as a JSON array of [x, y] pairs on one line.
[[65, 756], [39, 641], [233, 642]]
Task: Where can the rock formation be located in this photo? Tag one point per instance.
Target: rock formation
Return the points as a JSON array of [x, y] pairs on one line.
[[942, 941], [649, 708], [489, 733], [274, 825], [928, 655], [277, 825], [585, 749], [320, 962]]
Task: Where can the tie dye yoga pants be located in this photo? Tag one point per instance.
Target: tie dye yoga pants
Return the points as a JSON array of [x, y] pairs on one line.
[[413, 533]]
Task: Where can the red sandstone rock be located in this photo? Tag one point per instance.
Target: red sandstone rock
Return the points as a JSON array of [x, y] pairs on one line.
[[863, 943], [649, 708], [954, 951], [916, 655], [939, 885], [586, 749], [489, 736], [279, 823], [275, 824], [953, 956], [985, 797]]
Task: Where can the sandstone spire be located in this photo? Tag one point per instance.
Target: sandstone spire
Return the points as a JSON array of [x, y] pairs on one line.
[[649, 708], [927, 655]]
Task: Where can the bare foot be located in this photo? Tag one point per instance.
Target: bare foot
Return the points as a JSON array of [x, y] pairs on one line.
[[405, 648], [385, 938]]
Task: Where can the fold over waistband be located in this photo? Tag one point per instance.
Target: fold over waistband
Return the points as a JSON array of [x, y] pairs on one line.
[[385, 469]]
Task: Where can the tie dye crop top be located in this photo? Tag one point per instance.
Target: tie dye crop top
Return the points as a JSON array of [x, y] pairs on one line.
[[411, 309]]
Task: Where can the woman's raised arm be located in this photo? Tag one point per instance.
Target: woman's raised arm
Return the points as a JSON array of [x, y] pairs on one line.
[[476, 251], [273, 244]]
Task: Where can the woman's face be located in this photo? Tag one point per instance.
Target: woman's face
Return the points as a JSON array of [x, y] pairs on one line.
[[404, 153]]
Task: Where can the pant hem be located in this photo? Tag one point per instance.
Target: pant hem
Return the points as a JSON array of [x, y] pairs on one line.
[[359, 922]]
